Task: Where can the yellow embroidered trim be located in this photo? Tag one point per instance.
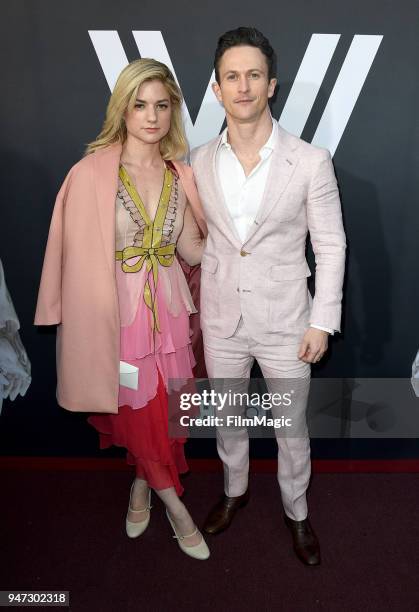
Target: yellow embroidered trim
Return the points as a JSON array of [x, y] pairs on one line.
[[152, 253]]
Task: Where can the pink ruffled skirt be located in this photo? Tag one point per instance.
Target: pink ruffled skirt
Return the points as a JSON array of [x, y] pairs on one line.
[[165, 361]]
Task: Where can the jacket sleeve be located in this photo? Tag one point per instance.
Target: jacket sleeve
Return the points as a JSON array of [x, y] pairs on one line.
[[48, 308], [327, 237], [190, 245], [188, 182]]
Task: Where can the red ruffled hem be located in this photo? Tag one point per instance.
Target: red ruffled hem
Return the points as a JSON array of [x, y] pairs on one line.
[[144, 433]]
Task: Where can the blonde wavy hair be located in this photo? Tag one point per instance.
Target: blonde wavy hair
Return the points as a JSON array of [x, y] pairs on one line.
[[174, 145]]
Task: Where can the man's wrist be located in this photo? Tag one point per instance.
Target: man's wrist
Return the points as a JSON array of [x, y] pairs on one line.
[[325, 329]]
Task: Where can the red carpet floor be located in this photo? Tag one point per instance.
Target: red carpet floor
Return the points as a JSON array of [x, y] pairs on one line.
[[65, 530]]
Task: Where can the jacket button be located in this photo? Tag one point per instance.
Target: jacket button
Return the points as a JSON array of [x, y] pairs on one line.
[[244, 253]]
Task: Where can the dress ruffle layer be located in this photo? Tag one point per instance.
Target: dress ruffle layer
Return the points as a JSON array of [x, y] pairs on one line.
[[165, 361], [168, 351], [144, 433], [173, 291]]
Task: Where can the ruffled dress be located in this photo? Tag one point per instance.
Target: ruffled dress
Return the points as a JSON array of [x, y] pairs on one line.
[[154, 306]]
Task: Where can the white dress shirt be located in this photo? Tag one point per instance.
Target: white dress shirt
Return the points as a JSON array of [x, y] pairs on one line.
[[243, 194]]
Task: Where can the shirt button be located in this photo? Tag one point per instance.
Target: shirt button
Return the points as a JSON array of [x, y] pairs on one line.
[[244, 253]]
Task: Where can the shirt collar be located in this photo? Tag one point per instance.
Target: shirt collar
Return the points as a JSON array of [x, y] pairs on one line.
[[265, 150]]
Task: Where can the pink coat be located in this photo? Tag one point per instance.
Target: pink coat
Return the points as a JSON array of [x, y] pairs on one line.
[[78, 289]]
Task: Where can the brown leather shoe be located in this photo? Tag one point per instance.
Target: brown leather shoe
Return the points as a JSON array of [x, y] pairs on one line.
[[223, 513], [306, 544]]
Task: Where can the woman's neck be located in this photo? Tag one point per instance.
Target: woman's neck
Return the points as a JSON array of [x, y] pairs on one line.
[[141, 154]]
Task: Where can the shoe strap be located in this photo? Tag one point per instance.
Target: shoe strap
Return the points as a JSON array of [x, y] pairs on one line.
[[147, 509], [182, 537]]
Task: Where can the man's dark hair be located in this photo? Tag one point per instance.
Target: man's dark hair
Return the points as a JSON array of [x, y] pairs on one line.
[[241, 37]]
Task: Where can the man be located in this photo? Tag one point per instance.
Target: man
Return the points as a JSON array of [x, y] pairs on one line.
[[263, 190]]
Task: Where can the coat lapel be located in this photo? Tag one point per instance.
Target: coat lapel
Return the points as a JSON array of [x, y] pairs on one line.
[[283, 164], [106, 169]]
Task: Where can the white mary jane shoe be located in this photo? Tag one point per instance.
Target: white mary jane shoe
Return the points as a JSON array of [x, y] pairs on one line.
[[136, 529], [200, 551]]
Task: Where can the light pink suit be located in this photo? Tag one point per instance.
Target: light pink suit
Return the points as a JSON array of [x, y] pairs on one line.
[[254, 297]]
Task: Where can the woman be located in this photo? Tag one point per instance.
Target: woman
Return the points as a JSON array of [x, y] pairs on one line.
[[112, 282]]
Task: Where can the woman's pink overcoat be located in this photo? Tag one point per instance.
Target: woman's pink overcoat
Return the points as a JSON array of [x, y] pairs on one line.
[[78, 288]]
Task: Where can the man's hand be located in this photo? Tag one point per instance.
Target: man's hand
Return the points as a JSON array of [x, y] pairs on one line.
[[313, 345]]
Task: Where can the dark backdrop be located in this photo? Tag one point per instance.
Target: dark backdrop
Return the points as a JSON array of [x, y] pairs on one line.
[[54, 93]]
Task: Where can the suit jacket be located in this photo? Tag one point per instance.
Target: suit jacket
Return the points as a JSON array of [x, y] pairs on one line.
[[78, 288], [264, 279]]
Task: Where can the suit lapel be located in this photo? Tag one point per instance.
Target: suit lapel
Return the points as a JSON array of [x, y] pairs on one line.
[[106, 169], [283, 164]]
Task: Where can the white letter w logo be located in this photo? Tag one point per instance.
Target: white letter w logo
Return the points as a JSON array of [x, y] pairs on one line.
[[300, 101]]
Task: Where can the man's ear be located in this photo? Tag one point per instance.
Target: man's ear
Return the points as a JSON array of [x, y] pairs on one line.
[[217, 91], [271, 87]]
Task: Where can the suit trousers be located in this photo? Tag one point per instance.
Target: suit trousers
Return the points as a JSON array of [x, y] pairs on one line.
[[228, 362]]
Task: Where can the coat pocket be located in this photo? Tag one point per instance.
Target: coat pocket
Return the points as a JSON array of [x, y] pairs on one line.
[[288, 302], [289, 272]]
